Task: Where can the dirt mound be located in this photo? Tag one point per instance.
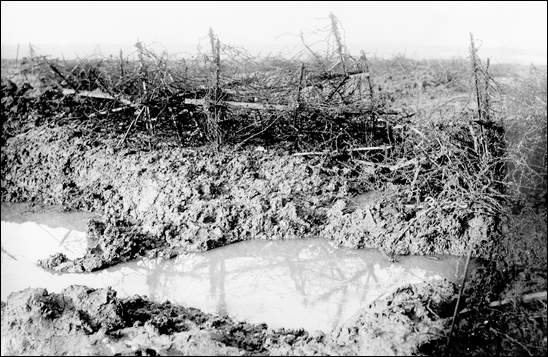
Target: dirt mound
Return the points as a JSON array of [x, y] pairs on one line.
[[194, 200], [397, 325], [82, 320]]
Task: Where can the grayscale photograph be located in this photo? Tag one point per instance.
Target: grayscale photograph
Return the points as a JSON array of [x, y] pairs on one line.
[[297, 178]]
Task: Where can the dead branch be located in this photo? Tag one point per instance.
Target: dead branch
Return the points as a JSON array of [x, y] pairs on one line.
[[314, 54], [526, 298], [512, 340], [541, 295], [256, 134], [97, 95], [397, 166], [56, 71], [243, 105], [384, 147], [130, 126]]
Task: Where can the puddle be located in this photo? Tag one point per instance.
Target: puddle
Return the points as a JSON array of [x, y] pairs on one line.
[[294, 284], [31, 233]]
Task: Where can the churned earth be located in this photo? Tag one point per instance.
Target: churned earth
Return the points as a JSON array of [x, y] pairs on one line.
[[86, 321], [176, 200], [167, 202]]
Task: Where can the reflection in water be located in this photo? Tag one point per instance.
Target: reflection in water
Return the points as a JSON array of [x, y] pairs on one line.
[[299, 283], [47, 230]]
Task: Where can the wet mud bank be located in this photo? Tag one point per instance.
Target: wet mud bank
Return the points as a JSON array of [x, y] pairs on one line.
[[96, 321], [176, 200]]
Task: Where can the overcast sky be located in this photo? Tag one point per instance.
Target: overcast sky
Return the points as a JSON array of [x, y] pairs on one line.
[[507, 30]]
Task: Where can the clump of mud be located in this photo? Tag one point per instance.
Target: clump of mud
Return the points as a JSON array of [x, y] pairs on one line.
[[398, 325], [396, 228], [81, 320]]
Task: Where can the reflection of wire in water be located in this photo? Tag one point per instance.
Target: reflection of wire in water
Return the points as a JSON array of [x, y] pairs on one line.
[[325, 296], [8, 253], [365, 275], [371, 268], [298, 279], [221, 305], [154, 278], [212, 281], [48, 217], [298, 269], [311, 269], [337, 274], [121, 285], [65, 237], [217, 281], [55, 238], [342, 301]]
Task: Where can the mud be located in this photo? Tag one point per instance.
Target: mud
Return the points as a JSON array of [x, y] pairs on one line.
[[180, 200], [518, 266], [82, 320], [175, 200], [411, 317]]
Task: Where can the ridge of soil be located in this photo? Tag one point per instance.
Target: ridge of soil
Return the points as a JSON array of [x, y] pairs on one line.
[[177, 200], [82, 320]]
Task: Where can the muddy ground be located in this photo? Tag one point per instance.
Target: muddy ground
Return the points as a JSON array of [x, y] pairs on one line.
[[178, 200], [193, 200], [518, 266], [96, 322], [172, 200]]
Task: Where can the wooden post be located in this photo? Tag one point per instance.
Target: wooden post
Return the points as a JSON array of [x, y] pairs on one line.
[[299, 88], [142, 69], [31, 54], [213, 115], [185, 73], [216, 60], [144, 99], [121, 64], [338, 40], [369, 81], [217, 68], [17, 57], [367, 73], [475, 70], [486, 94]]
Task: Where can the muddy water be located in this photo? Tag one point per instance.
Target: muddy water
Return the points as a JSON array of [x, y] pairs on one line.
[[296, 284]]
